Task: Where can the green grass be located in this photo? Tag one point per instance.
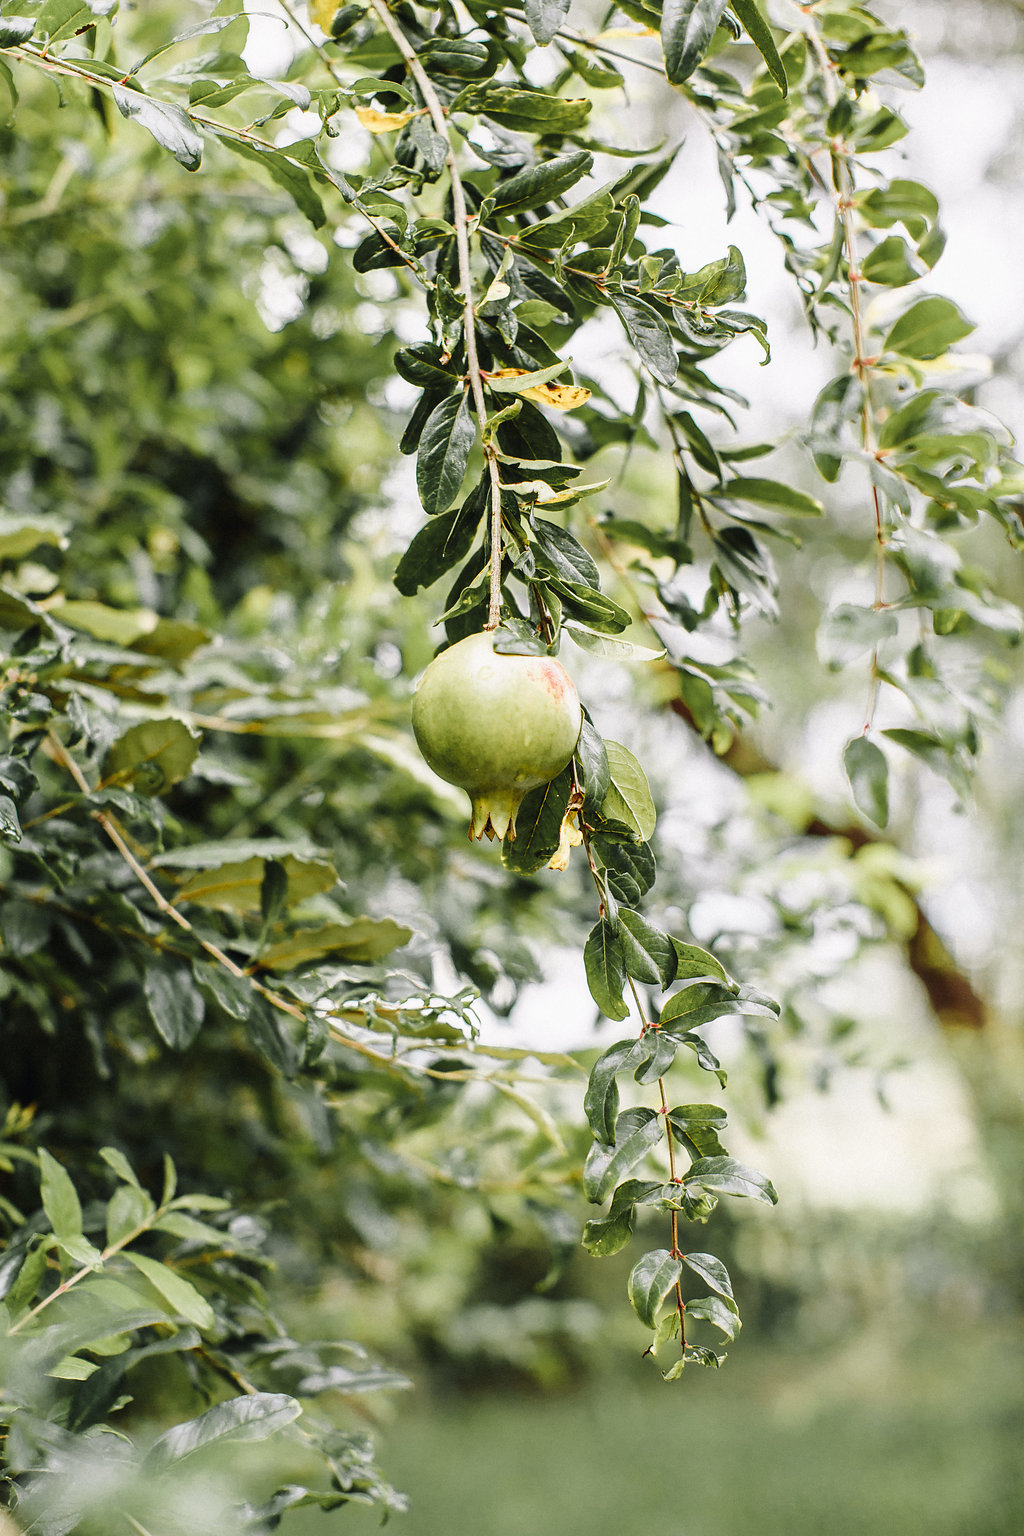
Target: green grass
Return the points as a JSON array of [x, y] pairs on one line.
[[923, 1440]]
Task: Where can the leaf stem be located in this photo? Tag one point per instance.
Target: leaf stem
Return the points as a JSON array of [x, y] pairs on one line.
[[845, 187]]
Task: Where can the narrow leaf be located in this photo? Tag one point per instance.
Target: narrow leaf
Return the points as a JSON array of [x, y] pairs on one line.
[[650, 336], [60, 1199], [179, 1293], [448, 437], [605, 968], [760, 35]]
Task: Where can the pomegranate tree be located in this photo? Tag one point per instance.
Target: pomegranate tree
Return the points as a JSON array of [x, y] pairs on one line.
[[497, 725]]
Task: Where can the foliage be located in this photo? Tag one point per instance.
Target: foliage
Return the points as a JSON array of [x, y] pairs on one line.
[[234, 933]]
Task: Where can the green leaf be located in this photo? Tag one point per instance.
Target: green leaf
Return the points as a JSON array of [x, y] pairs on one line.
[[175, 1003], [233, 885], [592, 757], [59, 19], [565, 554], [760, 35], [529, 111], [927, 329], [629, 796], [868, 773], [727, 1176], [170, 125], [294, 179], [538, 826], [363, 941], [940, 756], [601, 1102], [541, 183], [439, 546], [650, 336], [605, 1235], [692, 962], [651, 1282], [636, 1132], [152, 756], [849, 632], [444, 450], [687, 29], [128, 1209], [116, 1160], [892, 264], [773, 494], [595, 609], [649, 954], [901, 202], [629, 868], [712, 1309], [61, 1205], [179, 1293], [21, 532], [10, 826], [610, 647], [711, 1270], [605, 968], [544, 17], [253, 1416]]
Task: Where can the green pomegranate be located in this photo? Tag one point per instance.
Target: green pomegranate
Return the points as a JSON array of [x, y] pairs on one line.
[[495, 725]]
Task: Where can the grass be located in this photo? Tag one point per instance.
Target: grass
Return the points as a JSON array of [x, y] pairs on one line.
[[920, 1439]]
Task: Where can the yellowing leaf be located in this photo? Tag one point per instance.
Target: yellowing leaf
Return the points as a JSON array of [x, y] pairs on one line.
[[570, 837], [558, 397], [322, 12], [611, 32], [383, 122]]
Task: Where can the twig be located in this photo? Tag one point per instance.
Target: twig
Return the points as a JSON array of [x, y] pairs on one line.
[[461, 222]]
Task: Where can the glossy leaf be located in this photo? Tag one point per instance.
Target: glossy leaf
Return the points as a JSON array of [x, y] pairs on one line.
[[542, 183], [727, 1176], [651, 1282], [253, 1416], [713, 1272], [448, 437], [175, 1004], [601, 1103], [650, 336], [169, 124], [687, 28], [605, 968], [152, 756], [712, 1309], [649, 954], [629, 797], [61, 1205], [636, 1132]]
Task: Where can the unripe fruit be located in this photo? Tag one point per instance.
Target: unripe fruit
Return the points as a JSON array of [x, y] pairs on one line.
[[495, 725]]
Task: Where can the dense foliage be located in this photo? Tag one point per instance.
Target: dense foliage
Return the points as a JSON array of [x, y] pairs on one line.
[[241, 944]]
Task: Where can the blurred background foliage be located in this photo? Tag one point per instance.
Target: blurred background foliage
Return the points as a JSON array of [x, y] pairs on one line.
[[198, 392]]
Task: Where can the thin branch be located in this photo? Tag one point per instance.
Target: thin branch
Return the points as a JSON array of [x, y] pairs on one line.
[[461, 222]]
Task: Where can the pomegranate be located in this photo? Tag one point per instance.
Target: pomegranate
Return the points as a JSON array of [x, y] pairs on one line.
[[495, 725]]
